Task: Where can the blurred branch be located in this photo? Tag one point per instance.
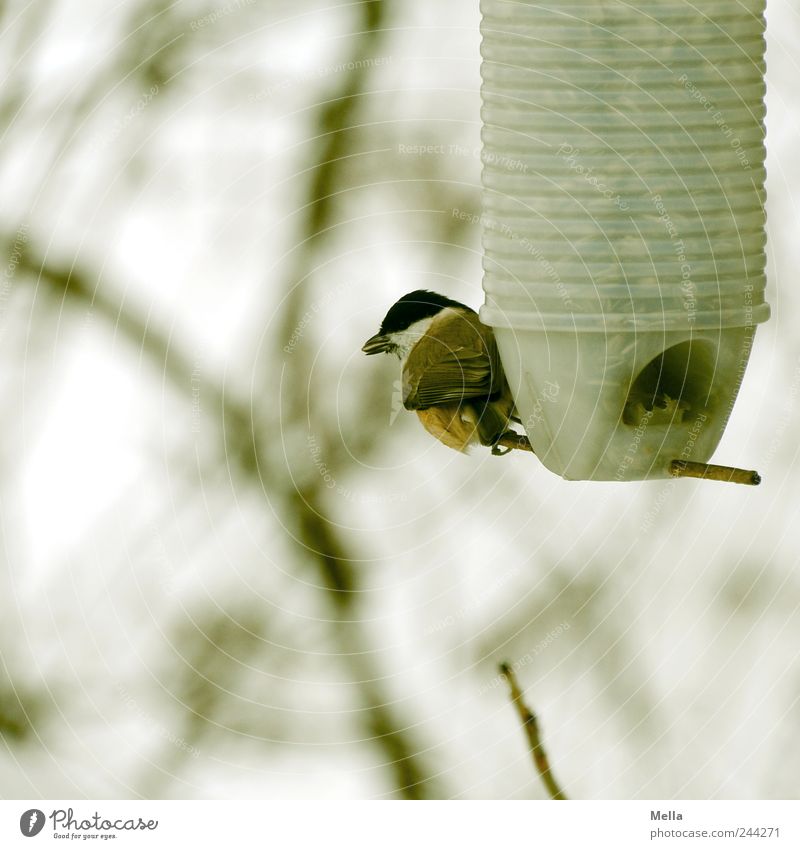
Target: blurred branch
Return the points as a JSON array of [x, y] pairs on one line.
[[319, 540], [593, 607], [531, 727], [341, 582], [210, 657], [336, 118], [19, 710], [144, 43], [77, 283]]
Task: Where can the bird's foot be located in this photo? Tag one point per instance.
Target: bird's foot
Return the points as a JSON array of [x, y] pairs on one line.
[[510, 440]]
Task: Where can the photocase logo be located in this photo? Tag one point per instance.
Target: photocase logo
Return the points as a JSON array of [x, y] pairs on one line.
[[66, 825], [31, 822]]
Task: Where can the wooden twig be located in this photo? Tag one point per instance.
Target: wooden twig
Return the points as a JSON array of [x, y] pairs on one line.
[[677, 468], [706, 471], [531, 727]]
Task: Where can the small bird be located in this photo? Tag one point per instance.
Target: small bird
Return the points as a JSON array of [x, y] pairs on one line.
[[451, 371]]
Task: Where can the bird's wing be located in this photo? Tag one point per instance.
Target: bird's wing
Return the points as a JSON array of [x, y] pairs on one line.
[[456, 359]]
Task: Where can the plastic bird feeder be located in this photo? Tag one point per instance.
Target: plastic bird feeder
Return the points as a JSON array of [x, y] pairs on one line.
[[623, 226]]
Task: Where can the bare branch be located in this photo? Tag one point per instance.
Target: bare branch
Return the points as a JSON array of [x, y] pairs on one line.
[[709, 472], [531, 728]]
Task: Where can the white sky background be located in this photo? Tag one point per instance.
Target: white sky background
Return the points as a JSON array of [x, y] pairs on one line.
[[679, 672]]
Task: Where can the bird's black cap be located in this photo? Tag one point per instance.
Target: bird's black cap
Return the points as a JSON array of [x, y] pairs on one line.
[[413, 307]]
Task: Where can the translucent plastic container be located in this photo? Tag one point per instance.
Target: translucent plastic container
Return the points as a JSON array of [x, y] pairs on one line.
[[623, 223]]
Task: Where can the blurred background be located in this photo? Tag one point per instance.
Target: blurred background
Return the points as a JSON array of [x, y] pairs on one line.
[[231, 568]]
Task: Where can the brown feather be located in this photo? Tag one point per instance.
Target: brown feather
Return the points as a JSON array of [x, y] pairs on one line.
[[447, 425], [457, 358], [454, 380], [461, 425]]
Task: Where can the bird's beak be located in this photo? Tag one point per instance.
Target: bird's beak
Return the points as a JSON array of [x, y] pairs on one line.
[[377, 344]]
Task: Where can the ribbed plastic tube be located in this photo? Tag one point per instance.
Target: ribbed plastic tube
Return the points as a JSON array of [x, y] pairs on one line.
[[623, 225]]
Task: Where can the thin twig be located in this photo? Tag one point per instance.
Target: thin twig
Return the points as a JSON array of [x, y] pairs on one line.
[[531, 728], [709, 472], [677, 468]]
